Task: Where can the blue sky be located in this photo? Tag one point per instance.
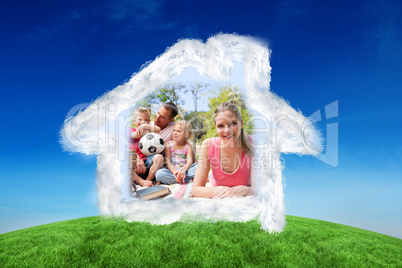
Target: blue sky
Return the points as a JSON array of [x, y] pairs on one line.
[[55, 55]]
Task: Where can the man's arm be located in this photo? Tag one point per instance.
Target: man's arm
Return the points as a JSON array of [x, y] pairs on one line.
[[154, 128]]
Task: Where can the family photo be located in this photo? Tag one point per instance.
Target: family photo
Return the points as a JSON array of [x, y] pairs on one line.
[[209, 152]]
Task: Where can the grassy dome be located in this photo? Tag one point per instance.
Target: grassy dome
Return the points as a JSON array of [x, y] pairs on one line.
[[104, 241]]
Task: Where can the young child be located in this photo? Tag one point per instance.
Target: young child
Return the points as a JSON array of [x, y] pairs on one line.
[[141, 120], [178, 157]]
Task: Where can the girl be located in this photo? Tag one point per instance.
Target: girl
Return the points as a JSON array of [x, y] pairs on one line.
[[228, 155], [179, 157]]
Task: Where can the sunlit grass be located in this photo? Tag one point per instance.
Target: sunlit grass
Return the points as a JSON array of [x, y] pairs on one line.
[[101, 241]]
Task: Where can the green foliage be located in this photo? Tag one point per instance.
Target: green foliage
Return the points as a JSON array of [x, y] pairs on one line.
[[227, 94], [166, 93], [196, 91], [202, 122], [104, 242], [197, 123], [174, 93], [170, 93]]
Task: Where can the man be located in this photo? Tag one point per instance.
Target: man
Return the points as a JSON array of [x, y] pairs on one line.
[[164, 120]]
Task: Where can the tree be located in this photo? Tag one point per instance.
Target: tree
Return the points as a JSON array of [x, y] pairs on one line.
[[166, 93], [196, 90], [170, 93]]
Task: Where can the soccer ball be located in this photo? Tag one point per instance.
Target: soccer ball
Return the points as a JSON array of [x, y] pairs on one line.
[[151, 143]]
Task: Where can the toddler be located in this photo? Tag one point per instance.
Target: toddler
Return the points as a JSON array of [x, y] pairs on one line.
[[141, 120]]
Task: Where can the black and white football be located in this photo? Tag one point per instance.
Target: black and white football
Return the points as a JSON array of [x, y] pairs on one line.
[[151, 143]]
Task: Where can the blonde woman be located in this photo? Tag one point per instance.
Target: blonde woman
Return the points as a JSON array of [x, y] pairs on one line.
[[228, 156]]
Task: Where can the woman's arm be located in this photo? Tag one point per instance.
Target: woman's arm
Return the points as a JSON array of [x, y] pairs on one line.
[[201, 173], [236, 191], [201, 176], [240, 190]]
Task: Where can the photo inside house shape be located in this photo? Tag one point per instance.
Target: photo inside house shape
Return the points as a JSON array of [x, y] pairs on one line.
[[101, 129]]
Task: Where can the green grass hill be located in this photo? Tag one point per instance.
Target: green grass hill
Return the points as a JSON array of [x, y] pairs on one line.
[[105, 242]]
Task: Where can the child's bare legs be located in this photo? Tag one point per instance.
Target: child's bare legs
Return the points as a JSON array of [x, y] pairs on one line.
[[157, 164], [137, 179]]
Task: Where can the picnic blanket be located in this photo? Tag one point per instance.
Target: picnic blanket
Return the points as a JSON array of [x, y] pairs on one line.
[[180, 191]]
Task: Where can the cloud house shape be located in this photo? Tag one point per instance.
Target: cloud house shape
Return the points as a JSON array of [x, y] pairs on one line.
[[89, 131]]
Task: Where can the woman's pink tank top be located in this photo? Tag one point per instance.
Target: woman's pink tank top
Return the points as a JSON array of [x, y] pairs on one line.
[[220, 178]]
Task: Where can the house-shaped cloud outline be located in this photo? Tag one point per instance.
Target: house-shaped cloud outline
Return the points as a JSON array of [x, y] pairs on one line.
[[88, 132]]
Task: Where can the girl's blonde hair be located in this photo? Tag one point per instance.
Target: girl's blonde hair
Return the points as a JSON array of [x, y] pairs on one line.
[[244, 141], [141, 110], [187, 127]]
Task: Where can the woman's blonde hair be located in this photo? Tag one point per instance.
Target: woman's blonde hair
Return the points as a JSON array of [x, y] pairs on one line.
[[187, 127], [244, 141]]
